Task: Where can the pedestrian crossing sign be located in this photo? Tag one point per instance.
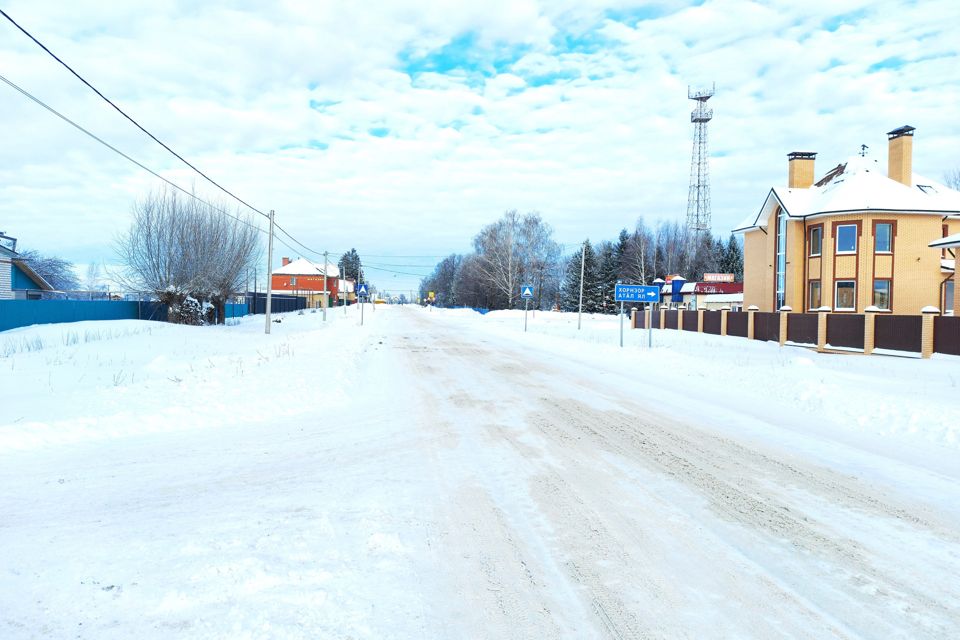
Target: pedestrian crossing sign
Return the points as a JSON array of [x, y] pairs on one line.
[[526, 291], [362, 290]]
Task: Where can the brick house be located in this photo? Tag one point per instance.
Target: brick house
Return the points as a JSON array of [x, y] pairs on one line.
[[304, 278], [853, 239]]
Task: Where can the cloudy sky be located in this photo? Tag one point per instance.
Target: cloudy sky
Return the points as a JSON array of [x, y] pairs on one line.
[[401, 128]]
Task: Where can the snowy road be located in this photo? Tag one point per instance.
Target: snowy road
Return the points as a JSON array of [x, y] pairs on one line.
[[465, 485]]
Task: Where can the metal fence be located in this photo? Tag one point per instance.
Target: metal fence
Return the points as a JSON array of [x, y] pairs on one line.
[[845, 330], [946, 332], [279, 303], [670, 319], [690, 321], [737, 323], [898, 333], [712, 322], [766, 326], [802, 328], [23, 313]]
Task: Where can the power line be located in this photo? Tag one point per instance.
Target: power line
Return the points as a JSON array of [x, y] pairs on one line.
[[124, 114], [121, 153]]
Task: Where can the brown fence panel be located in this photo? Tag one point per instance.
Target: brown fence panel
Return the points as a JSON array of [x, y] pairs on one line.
[[690, 321], [845, 330], [766, 326], [641, 317], [711, 322], [737, 323], [802, 328], [902, 333], [670, 321], [946, 335]]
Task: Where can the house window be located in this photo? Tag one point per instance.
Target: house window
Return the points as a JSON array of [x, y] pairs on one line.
[[293, 281], [846, 296], [847, 238], [816, 241], [881, 294], [815, 299], [948, 290], [781, 275], [883, 237]]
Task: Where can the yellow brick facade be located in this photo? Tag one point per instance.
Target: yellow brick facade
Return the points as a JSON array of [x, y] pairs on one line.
[[913, 268]]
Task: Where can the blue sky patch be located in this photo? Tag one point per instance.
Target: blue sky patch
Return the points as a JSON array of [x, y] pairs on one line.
[[467, 55], [835, 22], [379, 132], [894, 62]]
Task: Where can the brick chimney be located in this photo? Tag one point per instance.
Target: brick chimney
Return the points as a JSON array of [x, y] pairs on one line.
[[800, 169], [286, 261], [900, 155]]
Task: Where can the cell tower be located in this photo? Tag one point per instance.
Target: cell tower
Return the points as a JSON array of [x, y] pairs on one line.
[[698, 202]]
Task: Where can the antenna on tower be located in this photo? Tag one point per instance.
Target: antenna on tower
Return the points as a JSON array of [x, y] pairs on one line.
[[698, 201]]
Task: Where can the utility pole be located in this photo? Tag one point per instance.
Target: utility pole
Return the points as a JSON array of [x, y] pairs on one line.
[[269, 272], [326, 290], [583, 261]]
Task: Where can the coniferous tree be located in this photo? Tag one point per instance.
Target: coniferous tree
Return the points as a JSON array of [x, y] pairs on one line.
[[733, 258], [351, 266], [570, 292], [608, 270]]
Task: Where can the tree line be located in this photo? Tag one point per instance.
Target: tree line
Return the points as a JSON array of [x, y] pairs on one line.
[[520, 249]]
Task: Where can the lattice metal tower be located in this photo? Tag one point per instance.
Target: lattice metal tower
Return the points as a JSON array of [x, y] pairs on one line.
[[698, 201]]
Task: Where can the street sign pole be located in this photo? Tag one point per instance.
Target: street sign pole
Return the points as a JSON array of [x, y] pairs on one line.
[[650, 327], [361, 312], [621, 323], [526, 304]]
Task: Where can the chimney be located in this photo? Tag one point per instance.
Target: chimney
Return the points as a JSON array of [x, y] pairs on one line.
[[286, 261], [900, 155], [800, 169]]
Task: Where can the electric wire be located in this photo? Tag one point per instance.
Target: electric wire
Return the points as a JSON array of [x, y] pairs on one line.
[[124, 114], [80, 128]]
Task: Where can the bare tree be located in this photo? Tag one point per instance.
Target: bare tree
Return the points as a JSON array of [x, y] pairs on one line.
[[182, 249], [497, 247], [58, 272], [952, 179]]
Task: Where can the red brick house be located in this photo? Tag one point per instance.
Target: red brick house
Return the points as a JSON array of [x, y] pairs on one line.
[[304, 278]]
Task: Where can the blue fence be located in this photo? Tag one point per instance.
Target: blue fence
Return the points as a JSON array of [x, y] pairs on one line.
[[22, 313]]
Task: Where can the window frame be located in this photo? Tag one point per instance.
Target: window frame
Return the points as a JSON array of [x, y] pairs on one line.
[[873, 295], [810, 230], [856, 238], [836, 294], [810, 306], [948, 293], [293, 281], [892, 224]]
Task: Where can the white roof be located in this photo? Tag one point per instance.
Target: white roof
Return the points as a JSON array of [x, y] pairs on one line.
[[860, 187], [723, 297], [303, 267], [949, 241], [345, 286], [688, 287]]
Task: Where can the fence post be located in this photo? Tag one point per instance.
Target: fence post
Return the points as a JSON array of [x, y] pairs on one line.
[[926, 336], [822, 314], [680, 314], [633, 318], [784, 313], [647, 317], [751, 310], [699, 320], [869, 329], [663, 318], [723, 320]]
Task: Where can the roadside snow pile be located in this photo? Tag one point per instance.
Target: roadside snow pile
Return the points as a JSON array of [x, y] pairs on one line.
[[902, 400], [125, 377]]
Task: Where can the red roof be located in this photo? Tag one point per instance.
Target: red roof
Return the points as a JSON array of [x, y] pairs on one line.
[[718, 287]]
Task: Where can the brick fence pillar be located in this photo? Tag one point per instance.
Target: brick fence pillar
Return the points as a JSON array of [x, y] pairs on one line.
[[700, 321], [869, 329], [752, 309], [663, 317], [926, 339], [633, 318], [680, 314], [823, 313], [723, 320], [784, 312]]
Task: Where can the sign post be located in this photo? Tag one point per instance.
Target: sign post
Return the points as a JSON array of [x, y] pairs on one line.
[[361, 291], [636, 293], [526, 292]]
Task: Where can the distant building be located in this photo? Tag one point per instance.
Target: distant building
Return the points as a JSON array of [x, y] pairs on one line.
[[853, 239], [304, 278], [18, 280]]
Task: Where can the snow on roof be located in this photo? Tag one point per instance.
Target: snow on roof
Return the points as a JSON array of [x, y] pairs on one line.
[[723, 297], [303, 267], [860, 186], [346, 286], [949, 241]]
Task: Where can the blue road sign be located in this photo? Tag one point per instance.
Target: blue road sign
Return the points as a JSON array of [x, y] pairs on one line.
[[636, 293], [526, 291], [361, 289]]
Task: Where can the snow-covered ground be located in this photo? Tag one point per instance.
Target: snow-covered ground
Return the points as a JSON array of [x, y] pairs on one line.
[[441, 474]]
